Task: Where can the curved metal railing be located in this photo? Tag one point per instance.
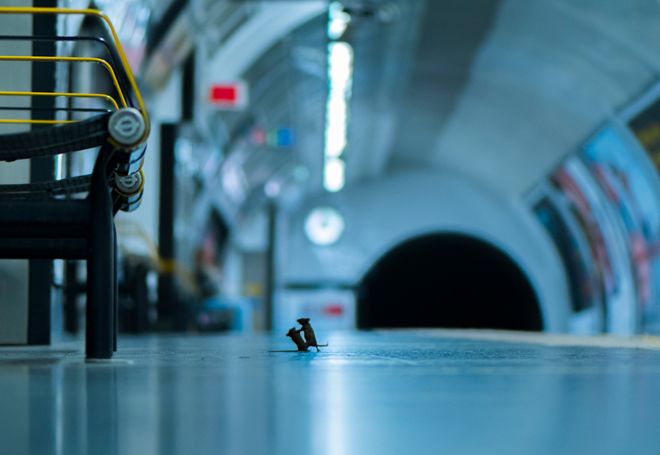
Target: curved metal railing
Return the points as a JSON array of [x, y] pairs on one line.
[[117, 66]]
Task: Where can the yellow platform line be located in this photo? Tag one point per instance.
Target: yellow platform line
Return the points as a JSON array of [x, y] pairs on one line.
[[544, 338]]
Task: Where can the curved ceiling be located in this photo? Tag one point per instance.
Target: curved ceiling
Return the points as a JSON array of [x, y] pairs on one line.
[[548, 74], [500, 90]]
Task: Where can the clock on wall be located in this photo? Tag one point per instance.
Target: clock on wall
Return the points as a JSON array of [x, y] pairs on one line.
[[324, 226]]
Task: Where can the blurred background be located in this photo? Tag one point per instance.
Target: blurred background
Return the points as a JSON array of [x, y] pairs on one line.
[[376, 163]]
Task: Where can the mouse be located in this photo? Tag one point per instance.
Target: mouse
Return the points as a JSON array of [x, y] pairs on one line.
[[297, 338], [310, 336]]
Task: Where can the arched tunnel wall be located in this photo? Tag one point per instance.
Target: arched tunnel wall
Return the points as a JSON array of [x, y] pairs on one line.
[[447, 280], [492, 130], [383, 214]]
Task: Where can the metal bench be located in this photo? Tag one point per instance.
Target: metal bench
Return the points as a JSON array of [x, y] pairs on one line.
[[73, 218]]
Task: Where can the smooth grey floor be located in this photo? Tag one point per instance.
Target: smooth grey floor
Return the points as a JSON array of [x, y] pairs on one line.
[[368, 393]]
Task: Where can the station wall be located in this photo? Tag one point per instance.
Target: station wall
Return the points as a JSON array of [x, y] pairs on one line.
[[382, 214]]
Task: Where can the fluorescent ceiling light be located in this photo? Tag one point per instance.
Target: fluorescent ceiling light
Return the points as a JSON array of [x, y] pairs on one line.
[[338, 20], [334, 174], [340, 86]]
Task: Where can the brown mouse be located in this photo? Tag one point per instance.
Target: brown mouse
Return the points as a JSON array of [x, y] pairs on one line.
[[310, 336], [297, 338]]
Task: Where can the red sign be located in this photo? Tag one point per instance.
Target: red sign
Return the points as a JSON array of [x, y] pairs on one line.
[[333, 309], [232, 95]]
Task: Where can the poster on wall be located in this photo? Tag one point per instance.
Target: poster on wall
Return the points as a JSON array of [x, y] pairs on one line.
[[621, 175], [582, 208], [582, 283]]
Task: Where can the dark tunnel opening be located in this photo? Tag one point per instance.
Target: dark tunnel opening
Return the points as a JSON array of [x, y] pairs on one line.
[[447, 280]]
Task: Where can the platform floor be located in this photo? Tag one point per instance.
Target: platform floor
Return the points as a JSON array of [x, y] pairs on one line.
[[368, 393]]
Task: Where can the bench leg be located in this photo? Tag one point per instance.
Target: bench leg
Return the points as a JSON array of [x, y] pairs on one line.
[[101, 278], [116, 291]]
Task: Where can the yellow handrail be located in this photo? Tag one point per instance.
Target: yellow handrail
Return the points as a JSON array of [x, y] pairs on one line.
[[103, 96], [35, 122], [115, 37], [127, 228], [35, 58]]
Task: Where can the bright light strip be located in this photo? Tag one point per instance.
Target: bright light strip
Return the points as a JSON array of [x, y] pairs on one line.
[[338, 21], [340, 85], [334, 174]]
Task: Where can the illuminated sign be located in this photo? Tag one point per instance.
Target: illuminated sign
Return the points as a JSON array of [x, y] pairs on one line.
[[273, 137], [229, 95]]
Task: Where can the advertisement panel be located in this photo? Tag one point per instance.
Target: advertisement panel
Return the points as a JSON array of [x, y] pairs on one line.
[[620, 172]]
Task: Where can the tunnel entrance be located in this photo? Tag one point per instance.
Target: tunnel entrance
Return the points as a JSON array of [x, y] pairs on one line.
[[447, 280]]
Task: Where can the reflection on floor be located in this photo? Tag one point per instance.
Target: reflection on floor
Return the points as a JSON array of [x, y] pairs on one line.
[[368, 393]]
